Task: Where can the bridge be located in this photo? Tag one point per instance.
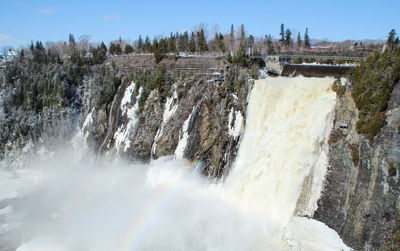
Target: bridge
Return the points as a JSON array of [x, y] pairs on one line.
[[287, 59], [291, 65]]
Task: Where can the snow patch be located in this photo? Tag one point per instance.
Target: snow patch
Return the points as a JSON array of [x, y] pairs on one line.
[[170, 108], [183, 138], [127, 97], [88, 121], [235, 129], [123, 132]]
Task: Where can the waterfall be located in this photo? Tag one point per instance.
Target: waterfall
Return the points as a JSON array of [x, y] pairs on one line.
[[66, 202], [288, 122]]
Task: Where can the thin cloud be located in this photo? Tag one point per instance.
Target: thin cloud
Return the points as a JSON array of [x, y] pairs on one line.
[[48, 11], [7, 40], [113, 17], [5, 37]]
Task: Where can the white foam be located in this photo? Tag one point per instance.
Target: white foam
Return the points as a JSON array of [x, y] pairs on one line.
[[311, 235]]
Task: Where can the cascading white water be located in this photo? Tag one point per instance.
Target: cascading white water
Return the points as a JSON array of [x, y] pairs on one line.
[[288, 122], [168, 206]]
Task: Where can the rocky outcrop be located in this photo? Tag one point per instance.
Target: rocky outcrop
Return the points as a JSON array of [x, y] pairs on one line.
[[200, 119], [361, 195]]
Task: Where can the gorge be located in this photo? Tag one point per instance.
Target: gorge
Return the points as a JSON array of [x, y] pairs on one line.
[[180, 161]]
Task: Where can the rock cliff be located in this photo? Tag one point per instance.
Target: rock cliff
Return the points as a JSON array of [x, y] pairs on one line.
[[361, 195]]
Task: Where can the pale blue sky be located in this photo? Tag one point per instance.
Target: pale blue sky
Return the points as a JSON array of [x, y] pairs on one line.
[[50, 20]]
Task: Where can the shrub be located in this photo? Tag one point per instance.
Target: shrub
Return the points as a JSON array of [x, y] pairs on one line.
[[338, 87], [373, 83], [355, 154], [392, 168]]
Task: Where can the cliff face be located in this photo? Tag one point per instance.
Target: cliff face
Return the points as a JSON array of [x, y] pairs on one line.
[[126, 110], [198, 119], [361, 195]]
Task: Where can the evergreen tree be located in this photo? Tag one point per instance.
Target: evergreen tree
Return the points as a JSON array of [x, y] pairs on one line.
[[282, 34], [306, 39], [71, 40], [241, 57], [172, 44], [242, 34], [232, 39], [156, 51], [192, 43], [270, 45], [128, 49], [186, 40], [288, 39], [118, 49], [147, 44], [250, 43], [299, 40], [392, 41], [202, 42], [140, 44], [181, 43], [221, 43], [22, 54], [112, 48], [103, 48], [163, 47]]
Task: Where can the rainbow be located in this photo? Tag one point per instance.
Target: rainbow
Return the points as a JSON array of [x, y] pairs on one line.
[[142, 220]]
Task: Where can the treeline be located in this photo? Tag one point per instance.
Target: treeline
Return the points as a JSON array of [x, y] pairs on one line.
[[373, 82], [286, 40], [196, 42]]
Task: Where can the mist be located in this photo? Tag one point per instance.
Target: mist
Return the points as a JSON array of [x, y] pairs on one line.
[[75, 201]]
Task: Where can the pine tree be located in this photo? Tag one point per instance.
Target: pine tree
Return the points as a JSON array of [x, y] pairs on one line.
[[163, 47], [192, 43], [232, 39], [112, 48], [242, 34], [241, 57], [31, 47], [71, 40], [221, 43], [147, 44], [392, 41], [250, 43], [270, 45], [282, 34], [288, 39], [181, 43], [140, 44], [103, 48], [202, 42], [306, 39], [128, 49], [156, 51], [299, 40], [186, 39], [172, 44]]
